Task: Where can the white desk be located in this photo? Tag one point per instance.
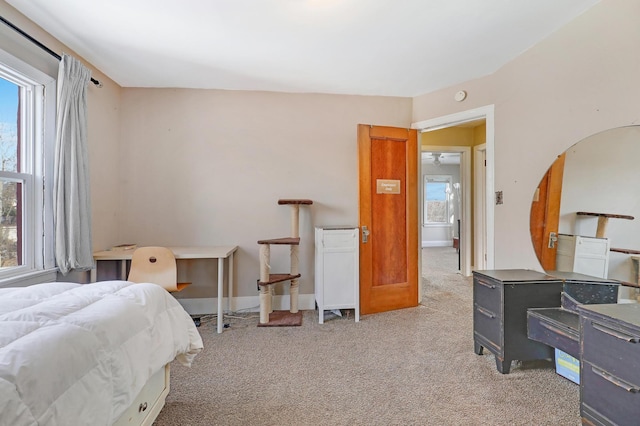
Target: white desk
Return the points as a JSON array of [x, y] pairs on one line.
[[215, 252]]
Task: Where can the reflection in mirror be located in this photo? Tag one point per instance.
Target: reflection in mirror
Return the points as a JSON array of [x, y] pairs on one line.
[[585, 214]]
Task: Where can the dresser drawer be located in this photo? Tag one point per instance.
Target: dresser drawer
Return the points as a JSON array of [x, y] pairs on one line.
[[488, 294], [606, 397], [601, 340], [488, 324]]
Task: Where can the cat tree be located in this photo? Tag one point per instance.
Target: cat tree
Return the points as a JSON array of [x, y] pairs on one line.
[[267, 280]]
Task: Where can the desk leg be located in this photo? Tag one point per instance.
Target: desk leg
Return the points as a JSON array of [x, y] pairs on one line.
[[220, 294], [230, 305]]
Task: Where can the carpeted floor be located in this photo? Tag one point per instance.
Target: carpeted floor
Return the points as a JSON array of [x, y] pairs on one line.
[[413, 366]]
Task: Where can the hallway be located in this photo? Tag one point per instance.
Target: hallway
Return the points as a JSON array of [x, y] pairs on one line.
[[438, 261], [439, 268]]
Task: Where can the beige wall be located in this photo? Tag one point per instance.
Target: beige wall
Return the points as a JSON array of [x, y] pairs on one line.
[[583, 79], [207, 167], [104, 123]]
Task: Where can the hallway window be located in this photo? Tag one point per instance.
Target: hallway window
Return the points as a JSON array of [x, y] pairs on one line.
[[437, 191]]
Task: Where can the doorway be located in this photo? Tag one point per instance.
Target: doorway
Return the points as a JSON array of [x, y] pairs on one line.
[[442, 207], [442, 204], [474, 246]]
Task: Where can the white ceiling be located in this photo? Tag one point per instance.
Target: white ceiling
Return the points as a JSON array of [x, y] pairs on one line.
[[367, 47]]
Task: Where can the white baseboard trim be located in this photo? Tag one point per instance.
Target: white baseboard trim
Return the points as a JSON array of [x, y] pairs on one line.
[[446, 243], [209, 305]]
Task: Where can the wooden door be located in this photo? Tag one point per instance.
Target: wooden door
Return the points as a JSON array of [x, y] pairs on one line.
[[545, 214], [388, 191]]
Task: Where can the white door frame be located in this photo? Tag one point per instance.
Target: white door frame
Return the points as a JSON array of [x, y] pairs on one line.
[[480, 201], [486, 113], [465, 214]]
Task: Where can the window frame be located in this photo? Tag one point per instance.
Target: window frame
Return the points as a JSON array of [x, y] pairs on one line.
[[430, 178], [38, 116]]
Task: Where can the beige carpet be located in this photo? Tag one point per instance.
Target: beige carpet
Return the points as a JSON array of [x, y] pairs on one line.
[[414, 366]]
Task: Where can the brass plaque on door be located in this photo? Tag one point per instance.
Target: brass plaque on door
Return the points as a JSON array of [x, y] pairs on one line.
[[387, 186]]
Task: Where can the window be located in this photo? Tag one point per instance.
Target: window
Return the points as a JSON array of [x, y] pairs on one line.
[[437, 197], [26, 152], [10, 183]]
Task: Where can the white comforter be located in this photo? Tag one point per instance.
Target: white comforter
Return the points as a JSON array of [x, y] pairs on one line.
[[73, 354]]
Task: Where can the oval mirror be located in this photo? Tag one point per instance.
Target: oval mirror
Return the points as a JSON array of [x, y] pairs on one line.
[[585, 213]]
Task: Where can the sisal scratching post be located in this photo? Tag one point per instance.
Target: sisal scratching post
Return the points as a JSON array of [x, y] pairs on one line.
[[265, 304], [295, 220], [265, 290], [293, 295], [294, 288], [635, 261], [601, 231], [265, 254], [272, 293], [295, 233]]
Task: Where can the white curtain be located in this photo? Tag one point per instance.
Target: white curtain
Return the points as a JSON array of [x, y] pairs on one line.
[[71, 200]]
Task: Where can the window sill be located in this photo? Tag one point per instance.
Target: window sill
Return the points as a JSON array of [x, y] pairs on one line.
[[30, 278], [437, 225]]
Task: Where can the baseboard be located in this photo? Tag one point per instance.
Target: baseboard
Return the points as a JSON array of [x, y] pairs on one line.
[[209, 305], [445, 243]]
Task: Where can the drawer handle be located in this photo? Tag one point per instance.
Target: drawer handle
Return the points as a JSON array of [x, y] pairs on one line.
[[485, 312], [142, 407], [616, 334], [616, 381], [491, 286]]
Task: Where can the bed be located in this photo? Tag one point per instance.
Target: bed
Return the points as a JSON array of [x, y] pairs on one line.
[[92, 354]]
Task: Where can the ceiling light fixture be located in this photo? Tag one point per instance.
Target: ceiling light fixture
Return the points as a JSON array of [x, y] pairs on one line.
[[436, 158]]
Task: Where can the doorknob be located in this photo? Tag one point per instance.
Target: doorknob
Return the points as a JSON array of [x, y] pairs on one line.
[[553, 237], [365, 234]]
